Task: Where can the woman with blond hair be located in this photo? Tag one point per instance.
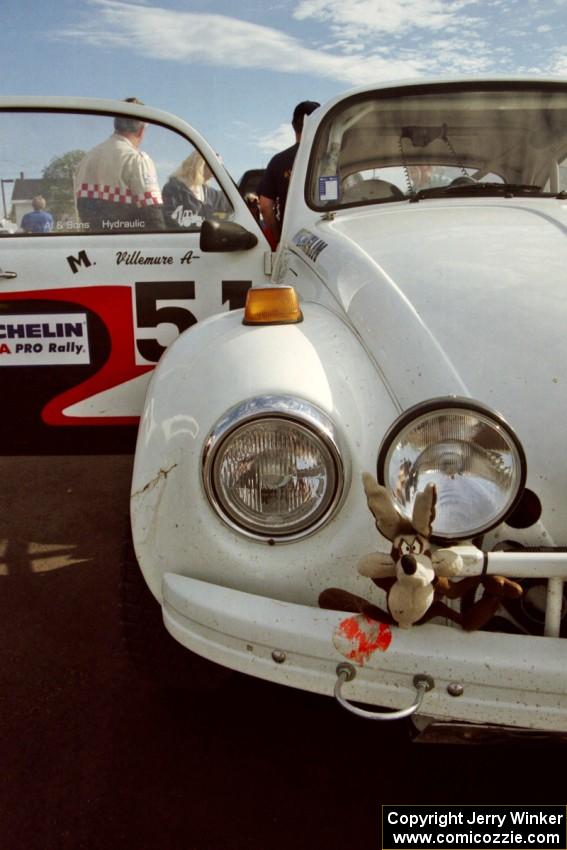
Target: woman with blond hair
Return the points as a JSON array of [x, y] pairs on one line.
[[187, 199]]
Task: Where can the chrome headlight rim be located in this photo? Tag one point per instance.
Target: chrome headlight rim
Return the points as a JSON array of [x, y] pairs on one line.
[[433, 405], [291, 409]]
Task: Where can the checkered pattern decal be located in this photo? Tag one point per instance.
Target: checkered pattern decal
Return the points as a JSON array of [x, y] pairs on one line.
[[118, 195]]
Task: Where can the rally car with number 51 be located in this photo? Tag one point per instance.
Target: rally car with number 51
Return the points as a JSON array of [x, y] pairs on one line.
[[403, 347]]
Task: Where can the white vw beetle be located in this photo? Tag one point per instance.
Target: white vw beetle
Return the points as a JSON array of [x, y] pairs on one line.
[[414, 329]]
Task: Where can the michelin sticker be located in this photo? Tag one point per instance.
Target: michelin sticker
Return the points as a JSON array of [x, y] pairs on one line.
[[44, 340]]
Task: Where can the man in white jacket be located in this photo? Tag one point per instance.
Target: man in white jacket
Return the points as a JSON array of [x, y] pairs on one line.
[[116, 185]]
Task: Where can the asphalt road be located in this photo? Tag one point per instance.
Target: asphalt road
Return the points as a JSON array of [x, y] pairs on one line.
[[92, 756]]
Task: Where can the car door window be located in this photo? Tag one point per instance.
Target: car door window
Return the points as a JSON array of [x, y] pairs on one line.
[[65, 173]]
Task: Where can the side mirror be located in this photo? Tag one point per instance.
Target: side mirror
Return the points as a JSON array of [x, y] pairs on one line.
[[225, 236]]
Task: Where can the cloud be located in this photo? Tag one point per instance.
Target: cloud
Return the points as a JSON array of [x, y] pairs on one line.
[[480, 36], [355, 17], [212, 39], [358, 41], [280, 138], [559, 63]]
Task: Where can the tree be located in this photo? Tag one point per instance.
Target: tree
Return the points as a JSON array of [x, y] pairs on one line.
[[57, 184]]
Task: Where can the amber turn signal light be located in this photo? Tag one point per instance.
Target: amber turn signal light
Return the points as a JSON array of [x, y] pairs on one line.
[[274, 305]]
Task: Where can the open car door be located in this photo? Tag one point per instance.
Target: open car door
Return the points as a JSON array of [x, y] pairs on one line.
[[87, 304]]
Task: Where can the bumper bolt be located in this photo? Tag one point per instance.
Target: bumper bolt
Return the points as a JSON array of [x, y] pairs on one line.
[[455, 689], [279, 656]]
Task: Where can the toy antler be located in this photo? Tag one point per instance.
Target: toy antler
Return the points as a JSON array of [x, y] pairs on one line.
[[424, 510], [388, 520]]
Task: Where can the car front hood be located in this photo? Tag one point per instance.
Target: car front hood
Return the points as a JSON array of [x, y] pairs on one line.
[[468, 298]]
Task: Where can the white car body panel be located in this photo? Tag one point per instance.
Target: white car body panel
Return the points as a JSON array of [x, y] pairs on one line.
[[308, 360], [402, 302], [459, 259]]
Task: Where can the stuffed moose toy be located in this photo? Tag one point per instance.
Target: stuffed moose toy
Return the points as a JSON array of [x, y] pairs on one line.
[[414, 577]]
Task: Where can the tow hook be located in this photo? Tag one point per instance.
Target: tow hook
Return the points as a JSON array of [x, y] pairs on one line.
[[346, 673]]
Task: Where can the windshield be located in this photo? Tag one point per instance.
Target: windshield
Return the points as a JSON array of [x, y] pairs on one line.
[[389, 146]]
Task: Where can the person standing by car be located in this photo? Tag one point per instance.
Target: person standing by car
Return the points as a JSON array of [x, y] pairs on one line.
[[187, 197], [116, 184], [38, 220], [275, 182]]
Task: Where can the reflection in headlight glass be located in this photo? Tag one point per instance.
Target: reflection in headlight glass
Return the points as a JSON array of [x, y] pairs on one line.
[[472, 460]]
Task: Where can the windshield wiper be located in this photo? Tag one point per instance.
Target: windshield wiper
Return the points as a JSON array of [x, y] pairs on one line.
[[464, 189]]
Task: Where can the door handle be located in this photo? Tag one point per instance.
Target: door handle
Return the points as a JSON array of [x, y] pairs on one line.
[[8, 275]]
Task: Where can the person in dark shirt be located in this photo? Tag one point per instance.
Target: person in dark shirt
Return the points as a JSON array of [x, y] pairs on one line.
[[39, 220], [275, 182]]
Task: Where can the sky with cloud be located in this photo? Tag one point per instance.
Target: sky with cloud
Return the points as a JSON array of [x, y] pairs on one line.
[[236, 70]]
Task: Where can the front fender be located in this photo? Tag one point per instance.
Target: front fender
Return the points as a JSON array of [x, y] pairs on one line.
[[209, 369]]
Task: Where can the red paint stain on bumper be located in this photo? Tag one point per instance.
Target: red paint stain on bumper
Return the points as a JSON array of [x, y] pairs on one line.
[[359, 637]]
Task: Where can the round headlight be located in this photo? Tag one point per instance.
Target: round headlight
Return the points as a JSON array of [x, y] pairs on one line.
[[272, 468], [471, 455]]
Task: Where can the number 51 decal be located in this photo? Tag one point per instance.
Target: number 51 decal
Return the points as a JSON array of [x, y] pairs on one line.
[[151, 312]]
